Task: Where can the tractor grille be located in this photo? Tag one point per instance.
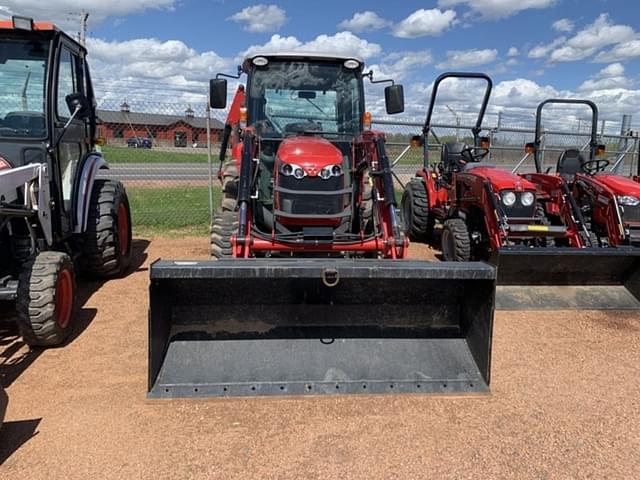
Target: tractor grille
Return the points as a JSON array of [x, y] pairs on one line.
[[520, 211], [631, 214], [311, 196]]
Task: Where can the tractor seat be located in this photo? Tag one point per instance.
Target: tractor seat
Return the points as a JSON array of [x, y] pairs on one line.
[[451, 157], [570, 163]]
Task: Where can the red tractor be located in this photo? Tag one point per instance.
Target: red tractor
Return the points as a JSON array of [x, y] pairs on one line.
[[533, 230], [309, 293], [609, 203]]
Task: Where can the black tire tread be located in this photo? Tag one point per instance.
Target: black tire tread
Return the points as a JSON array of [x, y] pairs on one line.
[[461, 239], [229, 175], [36, 299], [224, 225], [420, 226], [101, 254]]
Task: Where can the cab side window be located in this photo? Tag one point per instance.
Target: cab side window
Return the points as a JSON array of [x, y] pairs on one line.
[[67, 82]]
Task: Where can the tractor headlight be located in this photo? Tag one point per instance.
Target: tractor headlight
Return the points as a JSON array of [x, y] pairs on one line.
[[330, 171], [628, 200], [527, 199], [509, 198], [290, 169]]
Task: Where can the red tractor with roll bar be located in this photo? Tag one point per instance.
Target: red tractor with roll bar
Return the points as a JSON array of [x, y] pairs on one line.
[[536, 236], [309, 292], [609, 203]]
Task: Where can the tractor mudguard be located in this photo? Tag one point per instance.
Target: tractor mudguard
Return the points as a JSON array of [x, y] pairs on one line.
[[568, 278], [83, 187], [247, 327]]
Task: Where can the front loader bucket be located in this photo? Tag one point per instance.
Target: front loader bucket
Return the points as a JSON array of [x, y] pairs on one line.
[[319, 326], [568, 278]]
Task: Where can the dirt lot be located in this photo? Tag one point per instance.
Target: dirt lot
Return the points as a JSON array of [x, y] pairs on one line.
[[565, 403]]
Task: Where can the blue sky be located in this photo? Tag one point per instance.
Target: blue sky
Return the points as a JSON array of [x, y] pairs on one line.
[[206, 26], [533, 49]]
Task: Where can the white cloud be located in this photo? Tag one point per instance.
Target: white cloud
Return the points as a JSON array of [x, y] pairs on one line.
[[342, 43], [592, 38], [362, 21], [59, 11], [142, 62], [468, 58], [610, 77], [495, 9], [621, 52], [261, 18], [613, 70], [512, 62], [563, 25], [398, 65], [513, 52], [542, 50], [425, 22]]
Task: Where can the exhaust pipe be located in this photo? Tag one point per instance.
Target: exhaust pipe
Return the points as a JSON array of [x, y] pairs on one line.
[[568, 278], [319, 326]]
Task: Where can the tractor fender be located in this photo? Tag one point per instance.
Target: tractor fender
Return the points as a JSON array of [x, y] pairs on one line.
[[83, 187]]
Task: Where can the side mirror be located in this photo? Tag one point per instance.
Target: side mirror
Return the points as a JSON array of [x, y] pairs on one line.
[[218, 93], [77, 101], [394, 99], [530, 148]]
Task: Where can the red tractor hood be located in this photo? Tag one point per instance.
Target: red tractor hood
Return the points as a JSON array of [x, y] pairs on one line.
[[310, 153], [619, 185], [502, 179]]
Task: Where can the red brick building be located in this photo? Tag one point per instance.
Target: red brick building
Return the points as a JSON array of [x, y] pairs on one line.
[[163, 130]]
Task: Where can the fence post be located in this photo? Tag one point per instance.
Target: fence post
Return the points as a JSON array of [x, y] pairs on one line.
[[623, 142], [210, 163]]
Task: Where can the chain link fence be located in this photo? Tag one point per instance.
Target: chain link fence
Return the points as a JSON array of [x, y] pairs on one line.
[[166, 154]]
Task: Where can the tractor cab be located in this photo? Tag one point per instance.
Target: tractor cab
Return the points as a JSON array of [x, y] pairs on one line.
[[47, 108], [310, 144]]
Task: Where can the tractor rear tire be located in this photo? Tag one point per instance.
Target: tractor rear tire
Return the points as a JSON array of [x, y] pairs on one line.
[[229, 185], [418, 224], [107, 239], [224, 225], [46, 299], [456, 242]]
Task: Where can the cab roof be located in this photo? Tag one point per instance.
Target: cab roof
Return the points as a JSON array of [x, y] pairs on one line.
[[40, 26], [302, 56]]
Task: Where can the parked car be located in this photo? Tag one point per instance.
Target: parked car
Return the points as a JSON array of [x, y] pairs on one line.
[[139, 142]]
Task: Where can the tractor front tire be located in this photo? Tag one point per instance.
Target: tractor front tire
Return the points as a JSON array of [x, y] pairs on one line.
[[224, 225], [456, 242], [107, 239], [46, 299], [229, 185], [418, 224]]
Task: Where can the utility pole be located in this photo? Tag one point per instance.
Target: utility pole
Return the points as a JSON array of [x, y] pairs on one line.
[[82, 35]]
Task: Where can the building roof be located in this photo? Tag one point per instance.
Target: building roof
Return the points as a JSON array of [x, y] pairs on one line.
[[155, 119]]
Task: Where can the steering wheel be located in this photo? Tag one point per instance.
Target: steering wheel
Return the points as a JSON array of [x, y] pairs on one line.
[[594, 166], [474, 154]]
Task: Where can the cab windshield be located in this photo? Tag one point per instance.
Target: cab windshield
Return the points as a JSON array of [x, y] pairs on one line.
[[23, 66], [291, 97]]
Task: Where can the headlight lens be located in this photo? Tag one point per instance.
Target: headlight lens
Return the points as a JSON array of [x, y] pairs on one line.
[[298, 173], [509, 198], [527, 199], [287, 169], [628, 200], [330, 171]]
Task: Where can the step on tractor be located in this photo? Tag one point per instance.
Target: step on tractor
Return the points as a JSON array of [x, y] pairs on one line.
[[309, 291], [56, 218], [533, 231]]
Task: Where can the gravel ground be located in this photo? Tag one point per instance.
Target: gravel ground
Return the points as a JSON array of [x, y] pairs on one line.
[[564, 404]]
